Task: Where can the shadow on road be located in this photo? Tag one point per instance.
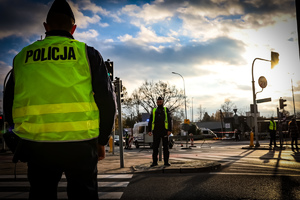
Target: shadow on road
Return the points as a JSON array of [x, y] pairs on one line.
[[268, 156], [296, 156]]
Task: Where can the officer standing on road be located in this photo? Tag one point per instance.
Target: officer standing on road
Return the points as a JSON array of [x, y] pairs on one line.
[[58, 92], [294, 131], [272, 130], [160, 124]]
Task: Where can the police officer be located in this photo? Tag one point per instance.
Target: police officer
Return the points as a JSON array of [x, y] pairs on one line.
[[56, 91], [160, 125], [294, 132], [272, 131]]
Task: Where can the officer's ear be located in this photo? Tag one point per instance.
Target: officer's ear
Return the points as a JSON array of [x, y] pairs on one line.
[[73, 29]]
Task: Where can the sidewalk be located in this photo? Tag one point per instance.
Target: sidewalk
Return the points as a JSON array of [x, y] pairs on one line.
[[140, 162], [132, 164]]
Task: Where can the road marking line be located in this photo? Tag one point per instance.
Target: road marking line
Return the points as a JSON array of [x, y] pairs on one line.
[[252, 174], [60, 195], [101, 176], [63, 184]]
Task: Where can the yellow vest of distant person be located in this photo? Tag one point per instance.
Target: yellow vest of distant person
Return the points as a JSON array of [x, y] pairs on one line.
[[272, 126], [53, 97], [166, 118]]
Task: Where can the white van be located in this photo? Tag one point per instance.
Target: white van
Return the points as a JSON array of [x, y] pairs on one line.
[[140, 135], [207, 133]]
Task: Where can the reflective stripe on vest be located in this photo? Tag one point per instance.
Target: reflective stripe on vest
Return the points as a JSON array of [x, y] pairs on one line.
[[166, 118], [272, 125], [53, 100]]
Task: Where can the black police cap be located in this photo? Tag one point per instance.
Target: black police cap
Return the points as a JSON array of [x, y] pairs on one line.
[[160, 98], [61, 7]]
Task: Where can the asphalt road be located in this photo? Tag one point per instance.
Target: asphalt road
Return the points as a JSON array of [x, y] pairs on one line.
[[212, 186], [244, 174]]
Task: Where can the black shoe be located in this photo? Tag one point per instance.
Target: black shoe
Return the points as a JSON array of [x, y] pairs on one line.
[[153, 164], [167, 164]]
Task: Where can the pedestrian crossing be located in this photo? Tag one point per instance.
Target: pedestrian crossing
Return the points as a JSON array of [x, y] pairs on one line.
[[246, 163], [111, 186]]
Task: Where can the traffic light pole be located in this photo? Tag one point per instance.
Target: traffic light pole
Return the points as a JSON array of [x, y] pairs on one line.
[[118, 85], [254, 103]]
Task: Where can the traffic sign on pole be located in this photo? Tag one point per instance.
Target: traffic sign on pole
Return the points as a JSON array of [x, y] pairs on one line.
[[263, 100]]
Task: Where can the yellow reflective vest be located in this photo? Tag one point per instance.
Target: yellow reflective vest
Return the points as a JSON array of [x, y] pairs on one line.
[[166, 118], [272, 126], [53, 97]]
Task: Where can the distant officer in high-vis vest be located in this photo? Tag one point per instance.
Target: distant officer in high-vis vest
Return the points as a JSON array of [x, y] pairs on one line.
[[52, 100], [272, 131], [160, 126]]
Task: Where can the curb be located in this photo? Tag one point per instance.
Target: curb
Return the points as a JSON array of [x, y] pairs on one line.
[[179, 167]]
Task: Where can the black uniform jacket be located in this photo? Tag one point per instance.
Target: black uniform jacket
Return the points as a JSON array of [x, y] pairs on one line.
[[102, 88], [159, 122]]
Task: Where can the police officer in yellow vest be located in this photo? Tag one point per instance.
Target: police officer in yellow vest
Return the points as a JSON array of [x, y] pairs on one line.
[[160, 126], [53, 99], [272, 131]]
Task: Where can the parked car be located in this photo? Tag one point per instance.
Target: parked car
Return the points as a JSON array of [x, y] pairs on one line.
[[117, 140]]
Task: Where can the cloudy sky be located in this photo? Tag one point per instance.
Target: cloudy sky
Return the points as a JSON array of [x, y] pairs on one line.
[[211, 43]]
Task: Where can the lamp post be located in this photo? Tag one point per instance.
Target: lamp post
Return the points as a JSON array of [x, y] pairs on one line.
[[192, 110], [184, 92], [274, 61]]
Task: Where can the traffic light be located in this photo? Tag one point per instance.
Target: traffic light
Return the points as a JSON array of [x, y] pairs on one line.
[[1, 122], [274, 59], [281, 103], [122, 97], [110, 69]]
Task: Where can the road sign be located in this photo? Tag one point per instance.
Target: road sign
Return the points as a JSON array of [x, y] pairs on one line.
[[262, 81], [263, 100]]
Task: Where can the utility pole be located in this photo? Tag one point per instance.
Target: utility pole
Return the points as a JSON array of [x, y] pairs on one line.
[[293, 99], [274, 61], [118, 86], [192, 110]]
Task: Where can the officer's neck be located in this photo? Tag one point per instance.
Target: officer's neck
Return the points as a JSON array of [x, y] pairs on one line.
[[160, 106]]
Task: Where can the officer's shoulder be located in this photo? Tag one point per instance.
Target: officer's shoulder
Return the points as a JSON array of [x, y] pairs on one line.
[[93, 52]]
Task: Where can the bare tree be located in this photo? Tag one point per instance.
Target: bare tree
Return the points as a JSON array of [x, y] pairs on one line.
[[218, 116], [227, 108], [147, 94], [201, 112]]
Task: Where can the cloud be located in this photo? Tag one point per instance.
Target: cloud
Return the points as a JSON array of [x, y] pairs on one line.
[[21, 18], [136, 62], [145, 37], [209, 19], [244, 87], [220, 49], [148, 13], [86, 35], [87, 5]]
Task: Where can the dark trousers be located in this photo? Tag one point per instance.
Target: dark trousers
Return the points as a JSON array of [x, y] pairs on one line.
[[157, 136], [273, 137], [294, 141], [78, 160]]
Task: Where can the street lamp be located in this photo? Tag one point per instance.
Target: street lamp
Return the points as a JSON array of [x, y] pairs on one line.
[[184, 92], [274, 61]]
